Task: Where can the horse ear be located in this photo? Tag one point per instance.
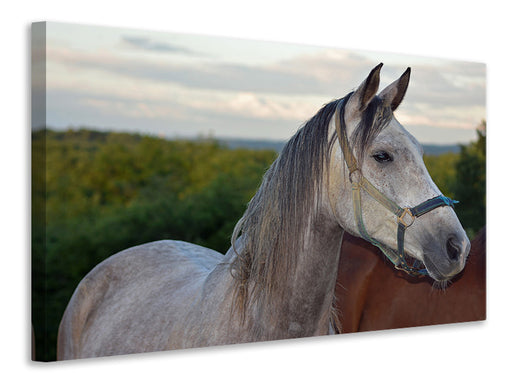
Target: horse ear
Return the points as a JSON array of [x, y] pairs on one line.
[[394, 93], [365, 93]]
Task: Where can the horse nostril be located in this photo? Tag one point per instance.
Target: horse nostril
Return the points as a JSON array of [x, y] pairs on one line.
[[452, 248]]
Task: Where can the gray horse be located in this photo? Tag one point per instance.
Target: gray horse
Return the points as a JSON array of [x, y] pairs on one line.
[[277, 280]]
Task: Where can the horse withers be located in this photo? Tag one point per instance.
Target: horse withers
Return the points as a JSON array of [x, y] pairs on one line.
[[277, 280]]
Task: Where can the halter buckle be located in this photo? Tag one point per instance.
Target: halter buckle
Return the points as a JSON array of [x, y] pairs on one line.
[[401, 219]]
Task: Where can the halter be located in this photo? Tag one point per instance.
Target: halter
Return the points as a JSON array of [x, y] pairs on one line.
[[405, 216]]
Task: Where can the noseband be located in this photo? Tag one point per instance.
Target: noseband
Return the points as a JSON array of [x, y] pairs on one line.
[[405, 216]]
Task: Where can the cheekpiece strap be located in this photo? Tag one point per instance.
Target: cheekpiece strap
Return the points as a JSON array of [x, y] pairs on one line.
[[350, 159]]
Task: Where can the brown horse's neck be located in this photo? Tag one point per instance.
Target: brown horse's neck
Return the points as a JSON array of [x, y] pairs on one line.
[[372, 295], [478, 250]]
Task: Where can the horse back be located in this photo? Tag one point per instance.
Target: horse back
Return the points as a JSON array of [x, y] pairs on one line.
[[129, 293]]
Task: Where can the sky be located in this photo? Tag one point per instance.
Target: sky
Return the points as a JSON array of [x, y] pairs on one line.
[[182, 85]]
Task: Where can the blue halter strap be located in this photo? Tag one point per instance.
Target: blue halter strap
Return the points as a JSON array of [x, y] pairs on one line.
[[405, 216]]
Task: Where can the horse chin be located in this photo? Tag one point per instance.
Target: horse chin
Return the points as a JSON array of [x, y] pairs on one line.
[[435, 273], [427, 264]]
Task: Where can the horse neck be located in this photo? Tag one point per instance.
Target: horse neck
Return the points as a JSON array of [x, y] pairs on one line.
[[315, 278], [307, 299]]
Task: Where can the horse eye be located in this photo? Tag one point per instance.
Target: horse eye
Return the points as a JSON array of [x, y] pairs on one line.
[[382, 157]]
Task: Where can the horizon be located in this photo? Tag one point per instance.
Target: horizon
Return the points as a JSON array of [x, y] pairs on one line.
[[200, 137]]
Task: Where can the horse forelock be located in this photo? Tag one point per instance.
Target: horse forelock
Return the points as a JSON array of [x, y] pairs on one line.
[[374, 119], [274, 224]]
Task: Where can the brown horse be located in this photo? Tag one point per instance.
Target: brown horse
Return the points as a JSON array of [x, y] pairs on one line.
[[372, 295]]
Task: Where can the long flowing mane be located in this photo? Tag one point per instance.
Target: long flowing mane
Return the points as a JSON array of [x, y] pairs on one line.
[[375, 118], [272, 228]]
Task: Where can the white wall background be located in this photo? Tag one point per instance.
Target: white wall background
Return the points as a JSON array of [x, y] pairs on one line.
[[464, 30]]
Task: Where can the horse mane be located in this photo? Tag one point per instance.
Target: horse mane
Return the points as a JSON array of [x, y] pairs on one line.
[[272, 228]]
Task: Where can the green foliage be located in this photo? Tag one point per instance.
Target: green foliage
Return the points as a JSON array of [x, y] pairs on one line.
[[470, 182], [462, 177], [442, 170], [97, 193]]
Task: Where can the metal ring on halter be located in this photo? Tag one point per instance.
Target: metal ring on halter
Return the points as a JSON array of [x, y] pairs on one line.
[[400, 219]]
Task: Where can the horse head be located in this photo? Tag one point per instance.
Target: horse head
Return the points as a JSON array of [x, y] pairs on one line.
[[380, 189]]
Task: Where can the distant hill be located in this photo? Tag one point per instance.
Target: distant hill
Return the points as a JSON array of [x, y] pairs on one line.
[[92, 135], [431, 149], [276, 145]]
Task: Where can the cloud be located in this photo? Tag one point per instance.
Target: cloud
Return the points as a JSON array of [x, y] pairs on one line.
[[169, 118], [304, 76], [332, 73], [453, 84], [147, 44]]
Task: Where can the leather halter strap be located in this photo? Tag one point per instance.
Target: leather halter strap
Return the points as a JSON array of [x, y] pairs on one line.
[[405, 216]]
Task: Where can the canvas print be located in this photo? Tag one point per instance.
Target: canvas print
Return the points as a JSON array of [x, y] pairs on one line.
[[192, 191]]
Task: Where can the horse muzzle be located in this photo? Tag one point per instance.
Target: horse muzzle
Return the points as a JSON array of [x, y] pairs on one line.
[[449, 258]]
